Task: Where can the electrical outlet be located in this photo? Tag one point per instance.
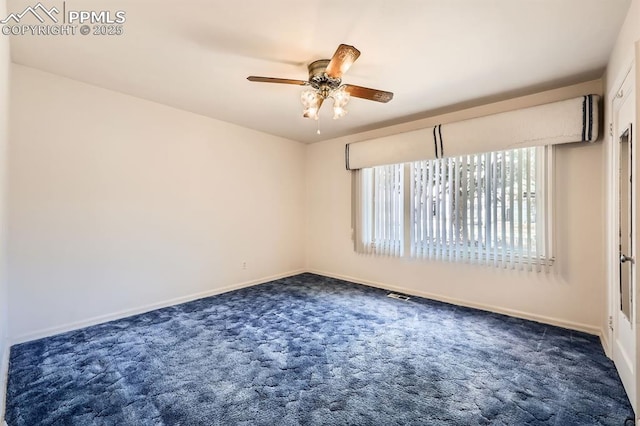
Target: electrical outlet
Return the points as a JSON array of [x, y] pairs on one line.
[[244, 265]]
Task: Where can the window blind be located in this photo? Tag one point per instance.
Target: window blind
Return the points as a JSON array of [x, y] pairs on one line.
[[378, 221], [491, 208], [485, 208]]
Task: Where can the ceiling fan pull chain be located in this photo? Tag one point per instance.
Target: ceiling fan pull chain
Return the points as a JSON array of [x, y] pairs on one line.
[[318, 122]]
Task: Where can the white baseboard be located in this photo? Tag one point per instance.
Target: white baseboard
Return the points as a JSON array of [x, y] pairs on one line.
[[130, 312], [4, 375], [126, 313], [604, 341], [496, 309]]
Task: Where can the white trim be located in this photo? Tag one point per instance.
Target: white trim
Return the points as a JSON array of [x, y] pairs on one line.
[[611, 194], [490, 308], [130, 312], [126, 313], [604, 341], [4, 375], [612, 237]]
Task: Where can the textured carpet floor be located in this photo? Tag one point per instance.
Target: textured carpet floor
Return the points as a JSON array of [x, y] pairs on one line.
[[318, 351]]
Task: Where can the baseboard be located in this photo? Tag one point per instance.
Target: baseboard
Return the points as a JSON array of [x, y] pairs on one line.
[[490, 308], [604, 341], [4, 375], [126, 313], [151, 307]]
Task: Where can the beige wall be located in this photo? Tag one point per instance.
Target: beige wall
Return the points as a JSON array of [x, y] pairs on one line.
[[117, 204], [571, 295], [4, 136]]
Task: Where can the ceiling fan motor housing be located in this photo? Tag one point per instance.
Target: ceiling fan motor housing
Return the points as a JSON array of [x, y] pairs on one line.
[[319, 79]]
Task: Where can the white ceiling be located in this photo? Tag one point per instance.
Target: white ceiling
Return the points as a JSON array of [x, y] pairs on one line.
[[433, 54]]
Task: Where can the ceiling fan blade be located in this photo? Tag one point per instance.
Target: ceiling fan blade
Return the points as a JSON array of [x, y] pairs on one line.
[[277, 80], [370, 94], [342, 60]]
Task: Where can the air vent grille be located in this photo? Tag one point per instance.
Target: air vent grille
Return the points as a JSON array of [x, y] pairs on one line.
[[398, 296]]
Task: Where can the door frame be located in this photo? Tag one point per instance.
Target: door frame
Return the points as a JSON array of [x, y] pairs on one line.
[[613, 199]]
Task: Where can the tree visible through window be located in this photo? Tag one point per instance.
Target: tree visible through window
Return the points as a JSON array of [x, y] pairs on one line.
[[489, 208]]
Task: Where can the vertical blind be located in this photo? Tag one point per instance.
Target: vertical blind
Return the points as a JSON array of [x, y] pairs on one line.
[[485, 208], [381, 211]]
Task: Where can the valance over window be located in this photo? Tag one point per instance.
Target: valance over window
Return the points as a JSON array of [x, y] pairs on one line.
[[572, 120]]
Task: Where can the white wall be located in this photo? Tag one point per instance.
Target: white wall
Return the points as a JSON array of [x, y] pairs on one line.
[[4, 137], [116, 203], [571, 295], [623, 51]]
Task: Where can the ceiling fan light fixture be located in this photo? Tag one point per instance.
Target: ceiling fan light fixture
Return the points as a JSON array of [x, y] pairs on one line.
[[338, 112], [310, 113], [311, 100], [340, 96], [340, 100]]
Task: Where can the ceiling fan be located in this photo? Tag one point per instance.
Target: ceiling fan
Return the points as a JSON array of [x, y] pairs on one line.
[[325, 79]]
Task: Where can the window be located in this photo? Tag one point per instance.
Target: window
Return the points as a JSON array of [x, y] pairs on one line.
[[486, 208]]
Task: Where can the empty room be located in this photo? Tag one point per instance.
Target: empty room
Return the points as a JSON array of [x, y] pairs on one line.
[[420, 212]]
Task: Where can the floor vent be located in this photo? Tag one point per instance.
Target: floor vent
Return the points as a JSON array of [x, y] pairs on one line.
[[398, 296]]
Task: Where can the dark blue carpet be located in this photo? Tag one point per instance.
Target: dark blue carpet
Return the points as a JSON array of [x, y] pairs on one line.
[[318, 351]]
